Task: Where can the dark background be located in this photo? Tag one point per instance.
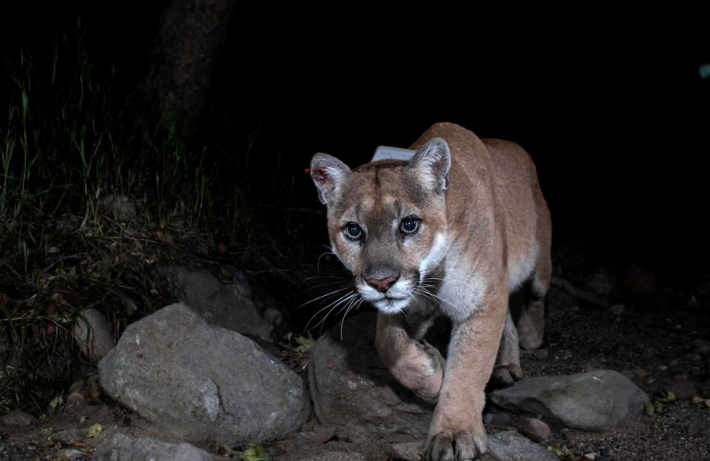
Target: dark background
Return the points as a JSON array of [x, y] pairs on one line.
[[610, 105]]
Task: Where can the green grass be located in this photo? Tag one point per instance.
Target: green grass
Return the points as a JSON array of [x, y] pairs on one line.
[[66, 143]]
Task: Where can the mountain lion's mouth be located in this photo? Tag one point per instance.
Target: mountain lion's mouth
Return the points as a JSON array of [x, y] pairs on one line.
[[389, 305]]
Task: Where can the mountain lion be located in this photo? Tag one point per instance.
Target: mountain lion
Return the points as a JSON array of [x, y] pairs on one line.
[[453, 230]]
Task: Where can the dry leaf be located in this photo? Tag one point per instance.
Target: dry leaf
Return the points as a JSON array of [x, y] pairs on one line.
[[94, 430]]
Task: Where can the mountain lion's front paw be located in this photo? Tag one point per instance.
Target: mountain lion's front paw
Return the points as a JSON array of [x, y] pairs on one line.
[[460, 446]]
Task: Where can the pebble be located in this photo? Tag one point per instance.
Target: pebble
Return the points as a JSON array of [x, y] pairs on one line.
[[682, 389], [535, 429], [541, 354], [704, 289], [71, 454], [93, 335], [638, 282], [701, 346], [356, 434], [698, 428], [319, 436], [640, 372], [82, 391], [498, 419]]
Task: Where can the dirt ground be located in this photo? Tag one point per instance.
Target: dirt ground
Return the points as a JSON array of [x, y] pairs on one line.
[[658, 339]]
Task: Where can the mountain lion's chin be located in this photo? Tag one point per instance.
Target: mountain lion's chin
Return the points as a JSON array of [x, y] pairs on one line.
[[391, 305]]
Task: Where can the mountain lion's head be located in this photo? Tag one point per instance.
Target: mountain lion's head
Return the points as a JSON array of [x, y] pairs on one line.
[[387, 221]]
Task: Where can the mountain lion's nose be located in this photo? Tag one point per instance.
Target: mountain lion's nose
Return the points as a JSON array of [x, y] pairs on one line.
[[381, 285]]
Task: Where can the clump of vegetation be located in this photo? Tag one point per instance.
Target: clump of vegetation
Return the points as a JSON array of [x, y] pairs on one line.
[[67, 150]]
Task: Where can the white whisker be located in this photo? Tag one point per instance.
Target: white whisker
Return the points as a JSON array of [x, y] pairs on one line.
[[353, 304], [324, 296], [330, 252], [426, 293], [344, 302]]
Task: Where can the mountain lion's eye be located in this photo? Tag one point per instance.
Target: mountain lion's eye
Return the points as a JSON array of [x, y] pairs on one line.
[[353, 231], [409, 225]]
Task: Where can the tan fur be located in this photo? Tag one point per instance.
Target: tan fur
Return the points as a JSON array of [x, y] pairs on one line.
[[482, 229]]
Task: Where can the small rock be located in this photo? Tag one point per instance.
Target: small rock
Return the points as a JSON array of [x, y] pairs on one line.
[[511, 445], [121, 447], [356, 433], [71, 454], [617, 309], [120, 207], [629, 374], [500, 418], [83, 391], [93, 334], [692, 302], [18, 418], [533, 428], [682, 389], [602, 283], [701, 346], [318, 436], [273, 316], [240, 305], [638, 282], [640, 372], [698, 428], [541, 354], [407, 450], [623, 454], [75, 397]]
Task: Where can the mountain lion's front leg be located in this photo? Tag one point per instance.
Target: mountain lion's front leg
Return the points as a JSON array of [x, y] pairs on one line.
[[411, 360], [456, 431]]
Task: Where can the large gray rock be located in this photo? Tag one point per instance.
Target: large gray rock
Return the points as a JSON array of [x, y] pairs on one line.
[[237, 306], [593, 401], [123, 448], [203, 382], [351, 388]]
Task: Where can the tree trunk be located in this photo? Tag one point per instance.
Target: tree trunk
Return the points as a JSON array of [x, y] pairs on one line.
[[183, 61]]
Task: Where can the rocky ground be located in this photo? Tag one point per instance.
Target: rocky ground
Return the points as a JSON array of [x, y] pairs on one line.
[[656, 332]]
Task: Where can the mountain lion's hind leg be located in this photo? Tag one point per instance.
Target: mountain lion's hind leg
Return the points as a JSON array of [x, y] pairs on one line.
[[531, 323], [507, 369]]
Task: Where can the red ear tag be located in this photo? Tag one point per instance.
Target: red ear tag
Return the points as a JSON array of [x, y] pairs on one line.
[[307, 170]]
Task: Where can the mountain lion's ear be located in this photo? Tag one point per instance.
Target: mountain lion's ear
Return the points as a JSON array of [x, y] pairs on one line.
[[433, 161], [328, 174]]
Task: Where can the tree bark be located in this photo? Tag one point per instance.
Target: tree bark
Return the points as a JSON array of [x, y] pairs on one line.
[[183, 61]]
